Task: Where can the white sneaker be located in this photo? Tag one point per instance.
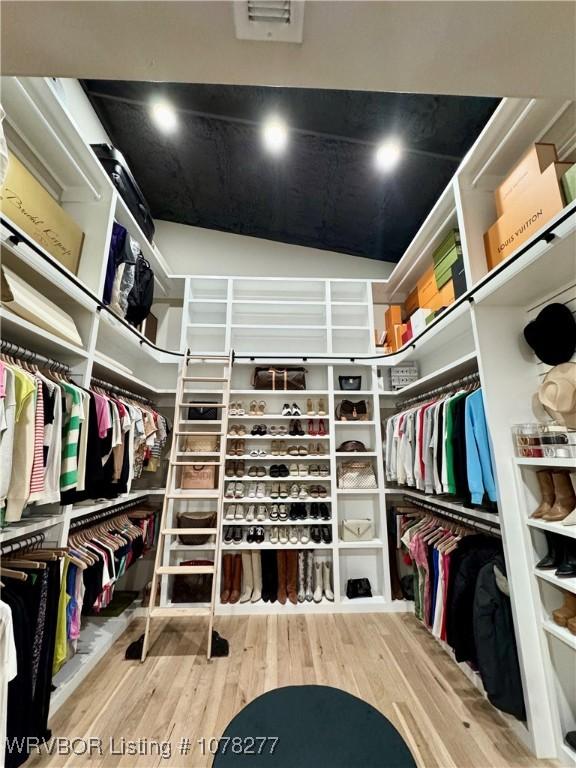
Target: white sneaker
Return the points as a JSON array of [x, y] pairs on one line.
[[260, 490], [250, 514], [303, 492], [283, 535], [239, 513], [230, 490], [261, 514], [274, 534], [252, 491], [293, 534], [230, 510], [305, 534]]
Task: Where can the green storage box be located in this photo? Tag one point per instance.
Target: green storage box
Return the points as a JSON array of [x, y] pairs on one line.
[[443, 269], [430, 318], [569, 184], [448, 244]]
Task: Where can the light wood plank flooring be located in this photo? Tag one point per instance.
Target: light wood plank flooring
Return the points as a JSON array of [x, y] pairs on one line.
[[386, 659]]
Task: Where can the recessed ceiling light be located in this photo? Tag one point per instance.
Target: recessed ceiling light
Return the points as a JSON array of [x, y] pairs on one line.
[[275, 135], [388, 155], [164, 115]]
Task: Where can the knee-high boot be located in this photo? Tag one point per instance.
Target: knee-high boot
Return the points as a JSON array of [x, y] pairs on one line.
[[256, 576]]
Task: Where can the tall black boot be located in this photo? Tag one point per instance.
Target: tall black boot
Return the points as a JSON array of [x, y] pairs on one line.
[[567, 567], [266, 555], [273, 576], [553, 558]]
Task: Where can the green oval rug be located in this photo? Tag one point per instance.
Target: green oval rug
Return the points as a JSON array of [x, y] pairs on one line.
[[311, 726]]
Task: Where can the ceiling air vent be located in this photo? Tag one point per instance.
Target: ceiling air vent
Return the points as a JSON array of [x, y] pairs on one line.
[[278, 21]]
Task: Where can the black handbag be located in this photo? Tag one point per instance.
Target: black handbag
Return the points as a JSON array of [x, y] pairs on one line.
[[203, 412], [358, 588], [349, 383], [348, 410]]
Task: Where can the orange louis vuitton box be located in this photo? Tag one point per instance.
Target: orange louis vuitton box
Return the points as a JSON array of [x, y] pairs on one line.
[[411, 303], [526, 172], [443, 298], [427, 288], [541, 201]]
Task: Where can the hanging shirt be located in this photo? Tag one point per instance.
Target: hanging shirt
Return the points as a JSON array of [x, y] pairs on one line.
[[478, 454], [52, 441], [7, 424], [70, 437], [37, 477], [8, 668], [23, 445]]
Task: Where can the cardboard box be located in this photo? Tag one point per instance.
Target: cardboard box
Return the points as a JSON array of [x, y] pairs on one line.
[[541, 201], [426, 287], [530, 167], [25, 202], [392, 316], [444, 297], [411, 303]]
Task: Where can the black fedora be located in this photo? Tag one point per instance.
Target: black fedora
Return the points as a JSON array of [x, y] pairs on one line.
[[552, 335]]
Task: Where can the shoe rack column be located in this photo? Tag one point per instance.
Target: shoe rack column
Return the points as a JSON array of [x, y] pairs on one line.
[[330, 380], [386, 585]]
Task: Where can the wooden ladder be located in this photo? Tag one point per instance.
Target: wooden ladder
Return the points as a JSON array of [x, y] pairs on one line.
[[163, 571]]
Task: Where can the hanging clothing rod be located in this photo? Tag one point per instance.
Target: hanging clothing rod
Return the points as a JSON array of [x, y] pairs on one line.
[[484, 525], [94, 517], [27, 356], [113, 389], [438, 390], [16, 546]]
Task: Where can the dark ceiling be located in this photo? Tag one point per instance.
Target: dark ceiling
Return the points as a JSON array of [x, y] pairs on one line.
[[324, 191]]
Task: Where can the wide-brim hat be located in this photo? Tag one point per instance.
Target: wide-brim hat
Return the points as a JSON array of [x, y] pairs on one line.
[[557, 394], [552, 335]]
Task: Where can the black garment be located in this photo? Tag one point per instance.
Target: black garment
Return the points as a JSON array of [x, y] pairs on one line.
[[496, 643], [459, 448], [19, 703], [472, 553], [92, 578], [269, 575]]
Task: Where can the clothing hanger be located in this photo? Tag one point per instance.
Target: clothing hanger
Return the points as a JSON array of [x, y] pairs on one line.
[[8, 573], [34, 565]]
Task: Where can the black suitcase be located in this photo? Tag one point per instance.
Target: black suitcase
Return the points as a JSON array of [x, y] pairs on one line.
[[114, 164]]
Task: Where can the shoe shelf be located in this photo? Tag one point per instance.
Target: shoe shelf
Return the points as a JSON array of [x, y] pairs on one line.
[[279, 500], [475, 513], [371, 544], [307, 521], [550, 527], [354, 454], [286, 438], [568, 463], [268, 545], [269, 457], [354, 423], [288, 479], [567, 584], [287, 394], [276, 417], [562, 633]]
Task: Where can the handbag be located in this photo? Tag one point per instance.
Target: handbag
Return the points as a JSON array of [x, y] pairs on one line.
[[203, 412], [279, 378], [195, 520], [351, 446], [193, 588], [198, 476], [349, 383], [348, 410], [356, 474], [358, 588], [201, 444], [356, 530]]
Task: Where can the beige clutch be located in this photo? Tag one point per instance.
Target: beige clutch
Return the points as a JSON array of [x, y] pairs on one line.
[[356, 530]]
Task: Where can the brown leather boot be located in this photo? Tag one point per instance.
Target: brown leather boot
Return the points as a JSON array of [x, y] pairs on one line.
[[572, 625], [226, 585], [236, 578], [564, 497], [546, 493], [563, 615], [292, 576], [281, 560]]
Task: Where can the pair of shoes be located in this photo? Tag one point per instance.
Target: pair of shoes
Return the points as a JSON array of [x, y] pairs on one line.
[[298, 450], [234, 490], [278, 448], [321, 534], [236, 430], [234, 469], [558, 500], [314, 578], [258, 513], [561, 556], [236, 409], [257, 408], [279, 470], [255, 471], [566, 615], [314, 430], [312, 411], [259, 429], [291, 410], [278, 512], [298, 511], [277, 431], [255, 535], [279, 490], [251, 577], [237, 448], [234, 512], [231, 578], [233, 534], [318, 491], [298, 491], [258, 453], [256, 490], [316, 449], [295, 428]]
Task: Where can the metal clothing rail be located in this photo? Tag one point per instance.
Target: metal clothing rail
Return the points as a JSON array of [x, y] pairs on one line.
[[94, 517], [439, 390], [27, 356], [463, 516], [112, 388], [16, 546]]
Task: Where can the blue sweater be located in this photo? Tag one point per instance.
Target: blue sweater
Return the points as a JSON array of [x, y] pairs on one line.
[[478, 453]]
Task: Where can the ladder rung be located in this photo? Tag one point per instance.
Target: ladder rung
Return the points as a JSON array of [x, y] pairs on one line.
[[158, 613], [189, 531], [210, 494], [192, 358], [195, 463], [185, 569], [198, 453], [203, 378]]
